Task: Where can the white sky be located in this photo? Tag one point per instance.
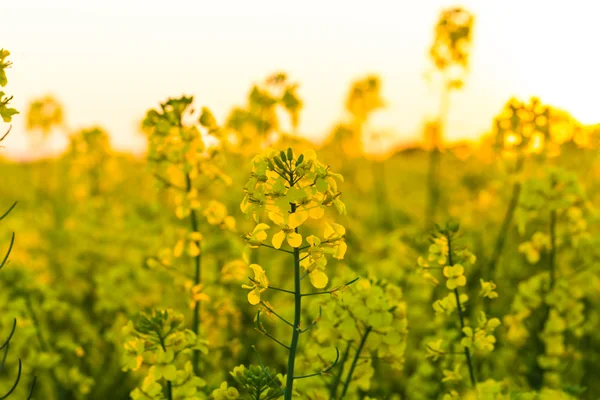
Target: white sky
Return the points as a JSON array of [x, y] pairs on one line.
[[109, 61]]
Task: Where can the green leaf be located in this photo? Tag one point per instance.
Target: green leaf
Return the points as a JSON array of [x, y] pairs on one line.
[[7, 113]]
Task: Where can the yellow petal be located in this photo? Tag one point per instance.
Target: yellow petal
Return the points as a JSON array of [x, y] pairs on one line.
[[254, 297], [318, 279], [260, 236], [294, 239], [277, 218], [179, 247], [278, 239], [341, 251], [257, 269], [313, 240], [261, 227], [316, 213], [328, 232], [296, 219], [193, 250], [339, 229]]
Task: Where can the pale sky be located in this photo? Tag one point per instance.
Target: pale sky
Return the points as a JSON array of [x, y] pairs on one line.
[[109, 61]]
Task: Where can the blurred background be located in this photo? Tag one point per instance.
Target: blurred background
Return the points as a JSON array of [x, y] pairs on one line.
[[104, 60], [133, 129]]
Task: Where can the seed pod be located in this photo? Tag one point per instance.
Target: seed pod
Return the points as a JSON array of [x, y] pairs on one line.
[[299, 160], [279, 163], [282, 155]]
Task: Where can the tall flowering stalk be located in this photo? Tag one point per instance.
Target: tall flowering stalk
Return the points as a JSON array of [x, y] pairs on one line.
[[292, 190], [447, 257], [450, 54], [521, 129], [186, 165], [554, 216]]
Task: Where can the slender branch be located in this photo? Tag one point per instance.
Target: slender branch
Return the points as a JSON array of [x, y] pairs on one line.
[[10, 246], [272, 287], [168, 183], [275, 248], [338, 376], [277, 315], [261, 329], [335, 289], [12, 389], [461, 317], [9, 127], [314, 323], [8, 211], [12, 332], [323, 371], [265, 370], [355, 361], [32, 387], [508, 217]]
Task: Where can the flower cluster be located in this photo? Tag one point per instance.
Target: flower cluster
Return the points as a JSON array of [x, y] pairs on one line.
[[523, 127], [159, 343], [444, 254], [292, 191], [256, 383]]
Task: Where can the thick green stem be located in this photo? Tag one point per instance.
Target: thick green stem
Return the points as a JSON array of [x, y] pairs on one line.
[[289, 385], [462, 319], [355, 361], [338, 376], [197, 279], [508, 217]]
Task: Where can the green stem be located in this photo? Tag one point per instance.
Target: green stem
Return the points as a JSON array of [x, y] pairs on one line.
[[289, 385], [462, 319], [552, 256], [61, 391], [197, 279], [508, 217], [169, 385], [355, 361], [435, 158], [432, 186], [338, 376]]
